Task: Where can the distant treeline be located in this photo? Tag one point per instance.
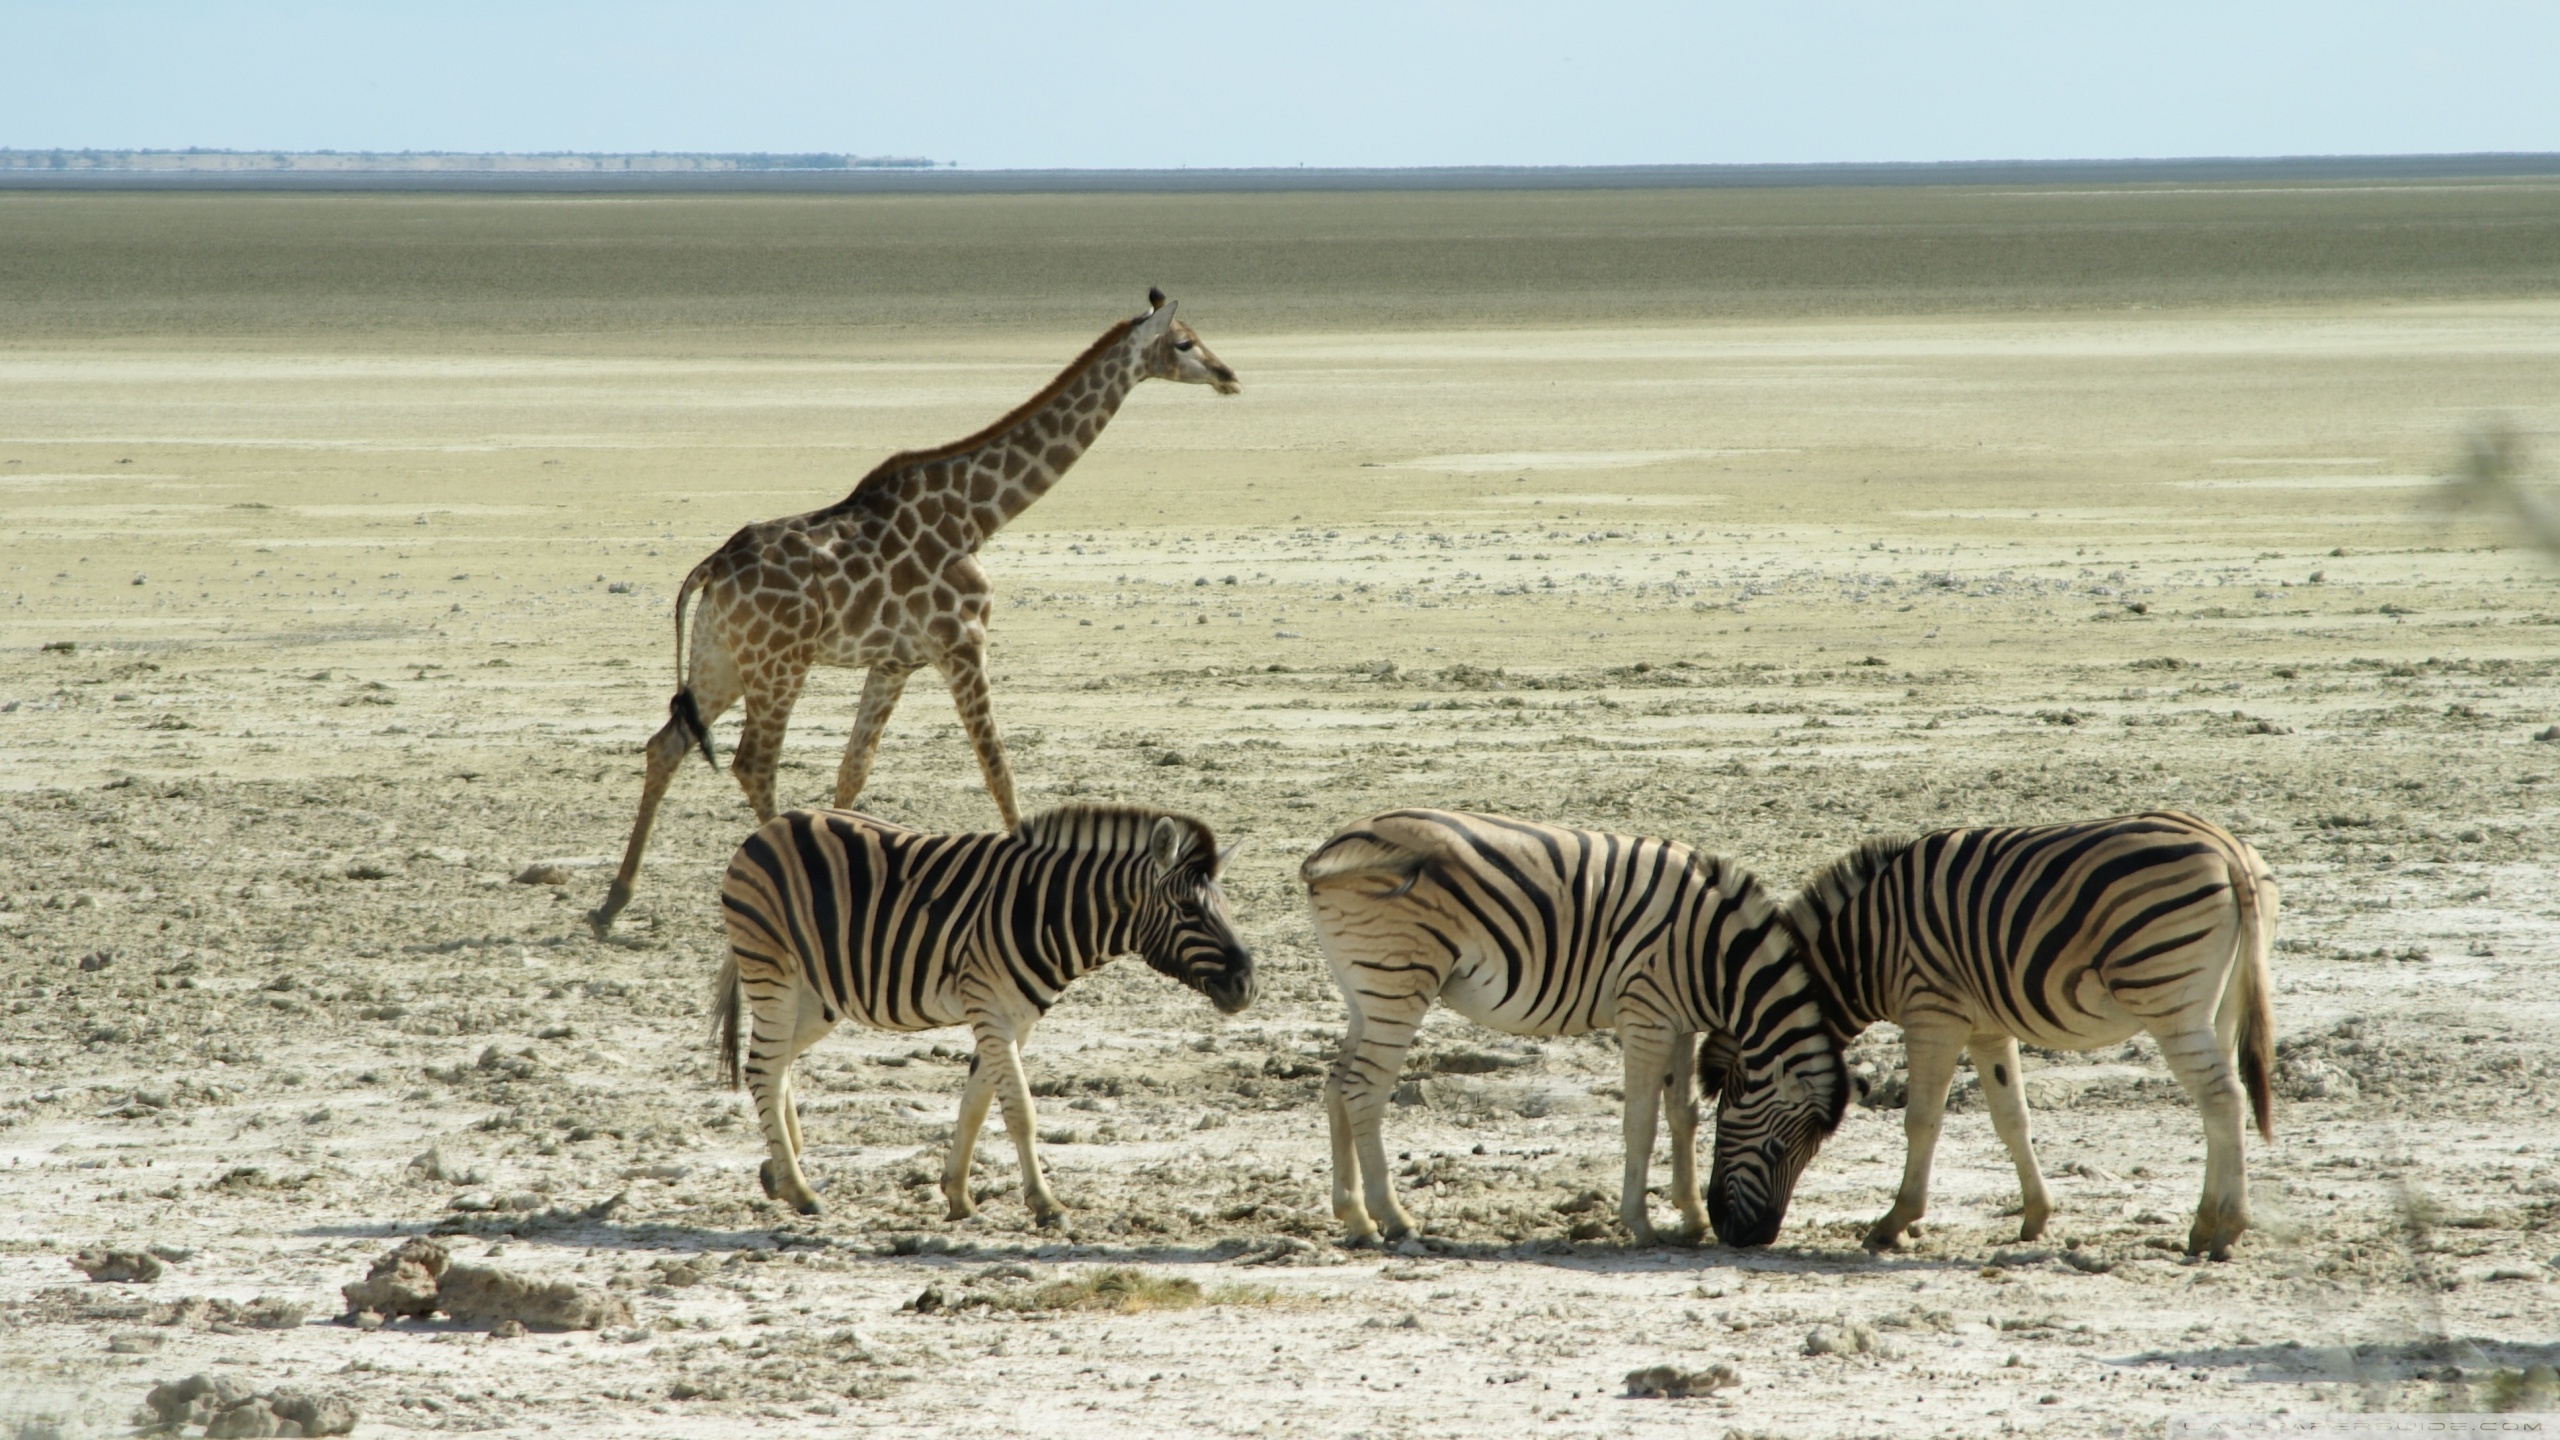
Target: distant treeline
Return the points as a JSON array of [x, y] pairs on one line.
[[441, 161]]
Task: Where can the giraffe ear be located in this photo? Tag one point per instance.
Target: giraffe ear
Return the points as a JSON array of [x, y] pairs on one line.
[[1155, 298]]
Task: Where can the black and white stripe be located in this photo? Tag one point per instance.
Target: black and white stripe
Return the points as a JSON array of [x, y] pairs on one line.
[[1541, 930], [2068, 937], [836, 915]]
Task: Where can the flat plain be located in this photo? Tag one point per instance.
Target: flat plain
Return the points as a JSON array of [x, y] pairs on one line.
[[338, 537]]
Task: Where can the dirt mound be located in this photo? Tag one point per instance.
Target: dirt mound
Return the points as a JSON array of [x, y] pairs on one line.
[[1670, 1382], [419, 1278], [227, 1407]]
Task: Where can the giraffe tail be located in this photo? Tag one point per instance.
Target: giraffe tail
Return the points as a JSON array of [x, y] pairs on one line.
[[681, 709]]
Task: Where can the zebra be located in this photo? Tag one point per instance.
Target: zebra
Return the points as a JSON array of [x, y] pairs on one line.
[[2068, 936], [1541, 930], [833, 914]]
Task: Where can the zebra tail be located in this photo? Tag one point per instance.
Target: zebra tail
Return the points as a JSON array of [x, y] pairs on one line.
[[2255, 889], [724, 1020], [1363, 852]]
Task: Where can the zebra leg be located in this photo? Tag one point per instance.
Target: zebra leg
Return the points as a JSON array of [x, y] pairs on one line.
[[1995, 1059], [880, 691], [1680, 1110], [777, 1033], [1002, 1054], [975, 1097], [2196, 1057], [1364, 1076], [1357, 1228], [1930, 1046], [1645, 1046]]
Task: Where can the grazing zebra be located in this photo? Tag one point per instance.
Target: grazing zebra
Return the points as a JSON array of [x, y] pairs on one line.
[[2065, 936], [835, 915], [1540, 930]]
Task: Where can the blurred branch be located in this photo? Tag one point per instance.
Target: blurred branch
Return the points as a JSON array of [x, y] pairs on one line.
[[2492, 473]]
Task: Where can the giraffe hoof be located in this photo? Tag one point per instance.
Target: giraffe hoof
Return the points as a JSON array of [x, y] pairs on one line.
[[600, 922]]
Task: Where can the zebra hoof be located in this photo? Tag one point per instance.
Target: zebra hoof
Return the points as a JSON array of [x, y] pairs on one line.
[[809, 1207], [764, 1177]]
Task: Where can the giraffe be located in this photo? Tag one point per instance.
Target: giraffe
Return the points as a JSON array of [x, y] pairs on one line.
[[887, 578]]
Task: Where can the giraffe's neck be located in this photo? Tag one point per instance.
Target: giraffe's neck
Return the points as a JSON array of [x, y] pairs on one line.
[[1027, 453]]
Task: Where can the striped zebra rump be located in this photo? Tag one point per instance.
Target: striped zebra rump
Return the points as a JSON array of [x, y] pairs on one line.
[[2071, 937], [1540, 929], [834, 915]]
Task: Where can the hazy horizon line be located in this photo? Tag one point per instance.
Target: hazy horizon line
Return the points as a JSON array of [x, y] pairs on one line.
[[850, 172]]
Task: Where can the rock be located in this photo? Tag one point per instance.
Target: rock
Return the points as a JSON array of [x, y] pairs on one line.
[[2547, 732], [404, 1282], [138, 1266], [506, 1330], [195, 1400], [543, 875], [1848, 1340], [316, 1414], [1669, 1382], [483, 1292], [267, 1312]]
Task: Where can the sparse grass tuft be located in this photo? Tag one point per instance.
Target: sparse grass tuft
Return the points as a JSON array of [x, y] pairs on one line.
[[1118, 1289]]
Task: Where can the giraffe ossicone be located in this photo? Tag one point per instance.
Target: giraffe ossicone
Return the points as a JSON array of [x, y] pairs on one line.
[[887, 578]]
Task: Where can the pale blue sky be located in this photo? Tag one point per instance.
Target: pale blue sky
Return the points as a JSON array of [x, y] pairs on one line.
[[1458, 82]]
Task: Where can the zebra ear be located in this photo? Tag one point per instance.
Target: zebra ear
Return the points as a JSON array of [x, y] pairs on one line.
[[1168, 844], [1224, 856]]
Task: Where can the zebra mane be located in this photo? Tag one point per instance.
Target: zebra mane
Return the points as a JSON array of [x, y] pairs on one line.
[[1108, 829], [1830, 889]]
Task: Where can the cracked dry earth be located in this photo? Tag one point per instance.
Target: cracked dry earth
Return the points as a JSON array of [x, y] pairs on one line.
[[352, 639]]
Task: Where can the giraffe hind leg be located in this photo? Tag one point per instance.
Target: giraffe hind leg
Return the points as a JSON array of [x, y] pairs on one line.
[[880, 691], [689, 721], [759, 751]]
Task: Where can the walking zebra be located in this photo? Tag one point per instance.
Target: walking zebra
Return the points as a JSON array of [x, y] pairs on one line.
[[2066, 936], [835, 915], [1540, 930]]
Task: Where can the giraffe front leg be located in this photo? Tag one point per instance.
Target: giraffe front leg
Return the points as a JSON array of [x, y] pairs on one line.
[[1995, 1059], [1930, 1045], [964, 669], [880, 691]]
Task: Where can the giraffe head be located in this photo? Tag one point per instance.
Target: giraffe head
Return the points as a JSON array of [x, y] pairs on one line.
[[1170, 350]]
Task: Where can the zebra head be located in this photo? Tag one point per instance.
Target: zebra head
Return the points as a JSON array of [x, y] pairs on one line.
[[1185, 931], [1781, 1100]]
